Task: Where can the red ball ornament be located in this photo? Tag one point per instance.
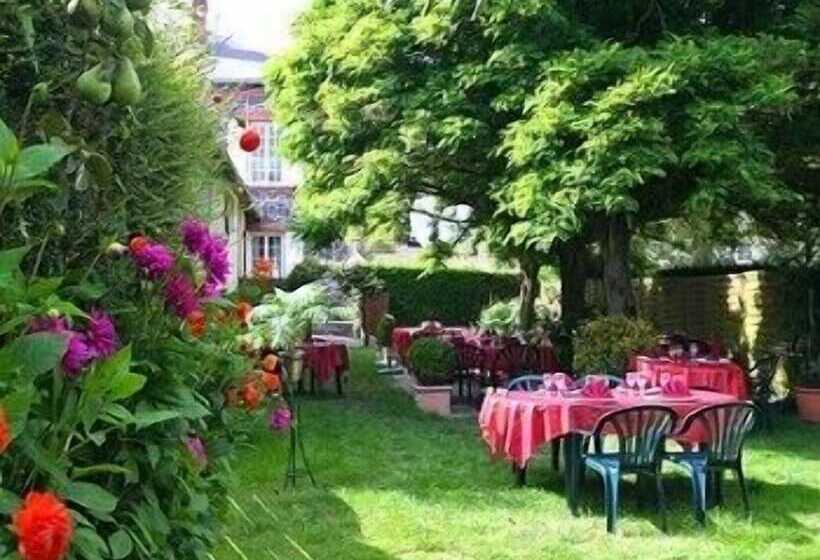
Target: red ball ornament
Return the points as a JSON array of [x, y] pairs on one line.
[[250, 140]]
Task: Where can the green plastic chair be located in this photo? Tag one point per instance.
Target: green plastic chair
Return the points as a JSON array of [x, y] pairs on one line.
[[724, 427], [641, 432]]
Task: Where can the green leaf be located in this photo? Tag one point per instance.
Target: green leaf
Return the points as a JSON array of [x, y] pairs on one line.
[[17, 405], [28, 188], [10, 261], [101, 380], [120, 544], [89, 544], [146, 418], [33, 354], [91, 496], [8, 144], [42, 288], [126, 385], [9, 502], [35, 161]]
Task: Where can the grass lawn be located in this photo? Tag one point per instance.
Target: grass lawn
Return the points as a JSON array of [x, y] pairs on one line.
[[395, 484]]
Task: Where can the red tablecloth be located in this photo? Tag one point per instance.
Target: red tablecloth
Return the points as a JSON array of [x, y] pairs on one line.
[[723, 376], [402, 337], [326, 359], [516, 424]]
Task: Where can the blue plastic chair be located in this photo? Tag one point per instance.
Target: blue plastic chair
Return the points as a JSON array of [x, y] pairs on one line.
[[724, 427], [525, 383], [641, 432]]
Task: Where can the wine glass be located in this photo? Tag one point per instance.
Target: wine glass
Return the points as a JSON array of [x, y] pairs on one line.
[[631, 380], [642, 383]]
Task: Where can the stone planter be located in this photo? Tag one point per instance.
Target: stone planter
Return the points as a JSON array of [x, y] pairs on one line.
[[808, 403], [434, 399]]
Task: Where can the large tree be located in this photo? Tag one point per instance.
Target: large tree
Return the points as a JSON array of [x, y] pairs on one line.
[[385, 102]]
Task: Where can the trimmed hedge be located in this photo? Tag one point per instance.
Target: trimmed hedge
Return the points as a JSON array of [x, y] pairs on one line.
[[452, 297]]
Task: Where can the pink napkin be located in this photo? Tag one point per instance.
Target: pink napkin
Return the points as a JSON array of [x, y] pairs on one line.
[[676, 387], [596, 388], [556, 381]]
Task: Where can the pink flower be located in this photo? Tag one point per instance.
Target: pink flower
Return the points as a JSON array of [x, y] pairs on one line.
[[180, 295], [78, 355], [102, 336], [156, 260], [280, 419], [196, 448], [212, 251], [195, 235]]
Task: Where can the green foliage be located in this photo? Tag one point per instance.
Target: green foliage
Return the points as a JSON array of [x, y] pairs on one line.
[[432, 361], [384, 330], [306, 272], [603, 345], [501, 317], [453, 297]]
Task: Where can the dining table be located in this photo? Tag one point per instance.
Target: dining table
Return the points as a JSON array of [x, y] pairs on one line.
[[516, 424], [721, 375], [324, 360]]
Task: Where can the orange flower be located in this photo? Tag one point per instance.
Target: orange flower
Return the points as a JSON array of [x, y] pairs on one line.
[[251, 396], [43, 527], [270, 362], [271, 382], [196, 322], [243, 311], [137, 244], [5, 431]]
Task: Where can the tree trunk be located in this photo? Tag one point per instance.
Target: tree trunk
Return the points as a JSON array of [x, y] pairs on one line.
[[615, 249], [529, 290], [573, 262]]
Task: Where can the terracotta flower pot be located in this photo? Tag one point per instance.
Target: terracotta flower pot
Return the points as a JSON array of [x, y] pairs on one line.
[[808, 403], [434, 399]]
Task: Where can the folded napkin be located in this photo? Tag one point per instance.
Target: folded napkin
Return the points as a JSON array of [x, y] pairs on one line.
[[557, 382], [675, 387], [596, 388]]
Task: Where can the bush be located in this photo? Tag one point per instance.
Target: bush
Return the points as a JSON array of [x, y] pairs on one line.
[[452, 297], [603, 345], [432, 360], [501, 317], [306, 272], [384, 331]]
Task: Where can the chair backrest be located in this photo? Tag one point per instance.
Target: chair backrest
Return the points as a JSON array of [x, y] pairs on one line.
[[640, 430], [511, 358], [611, 379], [470, 356], [526, 383], [723, 429]]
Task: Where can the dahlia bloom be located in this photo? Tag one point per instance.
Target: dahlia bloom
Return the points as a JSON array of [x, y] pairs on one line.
[[156, 260], [244, 311], [43, 527], [251, 396], [212, 251], [196, 447], [196, 323], [180, 295], [101, 334], [49, 324], [271, 381], [280, 419], [5, 431], [79, 354]]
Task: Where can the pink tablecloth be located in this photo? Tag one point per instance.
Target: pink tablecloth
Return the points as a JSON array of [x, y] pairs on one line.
[[402, 338], [516, 424], [326, 359], [722, 376]]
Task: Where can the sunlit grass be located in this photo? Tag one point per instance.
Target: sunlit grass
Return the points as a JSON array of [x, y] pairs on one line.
[[398, 484]]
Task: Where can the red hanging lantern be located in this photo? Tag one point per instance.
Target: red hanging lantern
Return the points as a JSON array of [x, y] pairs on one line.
[[250, 140]]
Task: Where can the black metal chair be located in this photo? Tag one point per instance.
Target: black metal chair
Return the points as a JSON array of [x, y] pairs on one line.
[[724, 428], [641, 432], [470, 367], [509, 360]]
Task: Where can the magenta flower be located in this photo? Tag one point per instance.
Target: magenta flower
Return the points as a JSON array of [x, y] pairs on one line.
[[101, 334], [280, 419], [196, 447], [156, 260], [180, 295], [195, 235], [212, 251], [78, 355]]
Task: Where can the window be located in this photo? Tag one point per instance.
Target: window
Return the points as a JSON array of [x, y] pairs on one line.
[[264, 164], [267, 248]]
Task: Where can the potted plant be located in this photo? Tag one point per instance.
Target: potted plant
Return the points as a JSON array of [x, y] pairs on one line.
[[384, 338], [807, 392], [432, 361]]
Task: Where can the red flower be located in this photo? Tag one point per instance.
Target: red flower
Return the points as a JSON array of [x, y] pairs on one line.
[[138, 244], [196, 322], [251, 396], [250, 140], [5, 431], [271, 382], [270, 362], [243, 311], [43, 527]]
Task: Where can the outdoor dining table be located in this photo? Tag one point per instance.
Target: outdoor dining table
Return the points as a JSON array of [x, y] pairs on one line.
[[402, 338], [723, 376], [326, 359], [516, 424]]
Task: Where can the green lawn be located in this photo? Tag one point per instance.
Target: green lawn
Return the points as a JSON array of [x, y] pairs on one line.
[[397, 484]]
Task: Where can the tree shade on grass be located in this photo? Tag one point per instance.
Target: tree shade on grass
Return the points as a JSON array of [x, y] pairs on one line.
[[396, 484]]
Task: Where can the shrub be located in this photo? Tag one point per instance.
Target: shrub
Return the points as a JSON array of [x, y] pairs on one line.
[[450, 296], [603, 345], [306, 272], [384, 331], [432, 360], [500, 317]]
